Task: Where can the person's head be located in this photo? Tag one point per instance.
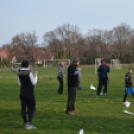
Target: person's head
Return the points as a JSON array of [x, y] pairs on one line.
[[76, 61], [102, 61], [130, 70], [25, 64], [61, 63]]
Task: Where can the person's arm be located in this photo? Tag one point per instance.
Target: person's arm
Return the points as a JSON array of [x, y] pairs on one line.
[[99, 69], [61, 70], [33, 78], [14, 70], [19, 82], [129, 79]]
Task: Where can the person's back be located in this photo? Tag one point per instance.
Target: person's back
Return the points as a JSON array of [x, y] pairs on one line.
[[27, 81], [102, 77], [103, 70], [26, 85]]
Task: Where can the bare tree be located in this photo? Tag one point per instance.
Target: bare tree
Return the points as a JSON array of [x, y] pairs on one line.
[[22, 45], [92, 39], [28, 41], [121, 36], [63, 38]]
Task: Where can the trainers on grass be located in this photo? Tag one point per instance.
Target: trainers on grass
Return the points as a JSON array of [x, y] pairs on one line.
[[29, 126]]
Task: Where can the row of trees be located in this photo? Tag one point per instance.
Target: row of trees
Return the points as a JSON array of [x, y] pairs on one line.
[[117, 42]]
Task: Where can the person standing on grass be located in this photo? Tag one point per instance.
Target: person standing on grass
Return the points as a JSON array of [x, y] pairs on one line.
[[72, 86], [27, 81], [128, 84], [60, 77], [103, 77], [79, 78]]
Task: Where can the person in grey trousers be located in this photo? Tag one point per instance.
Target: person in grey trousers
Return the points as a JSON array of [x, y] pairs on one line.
[[60, 77], [79, 78]]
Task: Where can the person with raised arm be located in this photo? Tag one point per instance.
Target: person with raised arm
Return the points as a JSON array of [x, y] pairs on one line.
[[27, 82]]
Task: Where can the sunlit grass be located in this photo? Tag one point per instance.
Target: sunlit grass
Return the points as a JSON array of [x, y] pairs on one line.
[[95, 116]]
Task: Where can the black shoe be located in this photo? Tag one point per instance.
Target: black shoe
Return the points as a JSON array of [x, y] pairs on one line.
[[59, 93]]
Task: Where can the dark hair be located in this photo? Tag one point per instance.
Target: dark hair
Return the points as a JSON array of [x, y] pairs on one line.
[[130, 68], [102, 61], [25, 63]]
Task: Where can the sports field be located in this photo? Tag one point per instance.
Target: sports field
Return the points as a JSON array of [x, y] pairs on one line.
[[95, 114]]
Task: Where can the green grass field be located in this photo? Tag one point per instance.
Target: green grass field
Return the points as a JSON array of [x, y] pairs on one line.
[[95, 116]]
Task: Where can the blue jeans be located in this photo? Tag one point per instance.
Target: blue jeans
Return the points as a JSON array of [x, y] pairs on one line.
[[79, 87]]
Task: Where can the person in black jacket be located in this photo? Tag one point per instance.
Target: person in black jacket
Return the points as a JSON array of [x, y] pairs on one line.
[[27, 81], [128, 84], [72, 86], [102, 77]]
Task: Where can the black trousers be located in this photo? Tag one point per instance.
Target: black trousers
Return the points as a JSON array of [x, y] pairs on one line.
[[102, 81], [27, 100], [71, 98], [60, 79], [125, 96]]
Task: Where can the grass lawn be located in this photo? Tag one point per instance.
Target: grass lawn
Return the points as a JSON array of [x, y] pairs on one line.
[[95, 116]]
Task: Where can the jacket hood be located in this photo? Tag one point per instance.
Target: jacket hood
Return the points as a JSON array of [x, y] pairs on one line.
[[23, 73], [104, 64]]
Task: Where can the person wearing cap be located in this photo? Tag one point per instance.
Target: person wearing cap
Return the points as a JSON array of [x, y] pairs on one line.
[[129, 84], [60, 77], [27, 82], [72, 86], [103, 71]]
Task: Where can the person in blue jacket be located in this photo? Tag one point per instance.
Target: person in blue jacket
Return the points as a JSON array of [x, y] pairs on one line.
[[103, 71]]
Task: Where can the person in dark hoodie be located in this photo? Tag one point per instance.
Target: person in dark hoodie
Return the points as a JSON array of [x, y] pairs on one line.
[[128, 84], [102, 77], [72, 86], [60, 77], [27, 81]]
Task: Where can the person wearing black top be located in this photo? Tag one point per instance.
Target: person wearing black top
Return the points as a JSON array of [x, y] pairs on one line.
[[72, 82], [128, 84], [27, 81]]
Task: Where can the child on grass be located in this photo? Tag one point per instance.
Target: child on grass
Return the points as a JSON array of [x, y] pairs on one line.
[[27, 81], [129, 84], [60, 77]]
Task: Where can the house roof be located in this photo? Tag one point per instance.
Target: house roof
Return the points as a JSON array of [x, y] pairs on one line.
[[39, 53]]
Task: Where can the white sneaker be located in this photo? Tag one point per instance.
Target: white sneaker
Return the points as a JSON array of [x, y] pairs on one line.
[[29, 126], [33, 127]]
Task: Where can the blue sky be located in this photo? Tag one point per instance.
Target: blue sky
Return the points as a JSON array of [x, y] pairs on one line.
[[18, 16]]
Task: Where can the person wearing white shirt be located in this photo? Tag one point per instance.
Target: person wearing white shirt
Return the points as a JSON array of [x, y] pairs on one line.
[[27, 82]]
